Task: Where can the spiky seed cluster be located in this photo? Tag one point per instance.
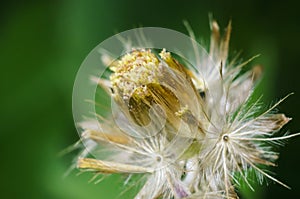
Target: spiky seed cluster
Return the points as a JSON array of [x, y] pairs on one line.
[[188, 133]]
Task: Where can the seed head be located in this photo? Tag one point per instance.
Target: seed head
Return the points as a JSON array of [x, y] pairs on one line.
[[188, 130]]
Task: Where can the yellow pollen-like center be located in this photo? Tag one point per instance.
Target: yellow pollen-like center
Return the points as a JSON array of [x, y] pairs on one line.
[[133, 70]]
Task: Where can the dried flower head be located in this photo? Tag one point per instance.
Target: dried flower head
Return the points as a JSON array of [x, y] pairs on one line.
[[189, 131]]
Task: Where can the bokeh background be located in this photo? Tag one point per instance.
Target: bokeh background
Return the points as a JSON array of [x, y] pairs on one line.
[[44, 42]]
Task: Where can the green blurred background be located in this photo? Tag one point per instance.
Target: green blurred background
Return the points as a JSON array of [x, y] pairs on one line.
[[44, 42]]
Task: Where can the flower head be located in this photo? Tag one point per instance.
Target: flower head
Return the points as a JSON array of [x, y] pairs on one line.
[[187, 130]]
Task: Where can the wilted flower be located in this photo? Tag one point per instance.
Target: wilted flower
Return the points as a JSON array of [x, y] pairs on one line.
[[188, 131]]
